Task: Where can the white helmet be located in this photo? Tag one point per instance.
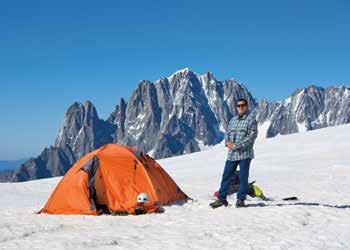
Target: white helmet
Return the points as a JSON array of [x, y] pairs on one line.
[[143, 197]]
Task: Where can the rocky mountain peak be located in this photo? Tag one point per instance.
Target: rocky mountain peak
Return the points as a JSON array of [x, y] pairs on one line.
[[180, 114], [82, 130], [90, 114]]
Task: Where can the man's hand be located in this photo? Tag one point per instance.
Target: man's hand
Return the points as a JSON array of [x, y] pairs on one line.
[[229, 145]]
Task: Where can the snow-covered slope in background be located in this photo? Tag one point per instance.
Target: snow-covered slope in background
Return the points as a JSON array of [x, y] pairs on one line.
[[315, 166]]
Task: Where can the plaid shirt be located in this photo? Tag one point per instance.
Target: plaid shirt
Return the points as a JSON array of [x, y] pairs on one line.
[[242, 132]]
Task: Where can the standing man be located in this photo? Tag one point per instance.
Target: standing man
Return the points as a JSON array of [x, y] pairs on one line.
[[239, 139]]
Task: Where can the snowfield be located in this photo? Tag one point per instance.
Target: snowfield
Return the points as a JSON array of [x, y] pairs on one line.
[[315, 166]]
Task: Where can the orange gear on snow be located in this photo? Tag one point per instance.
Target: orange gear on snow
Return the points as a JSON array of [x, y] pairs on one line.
[[114, 175]]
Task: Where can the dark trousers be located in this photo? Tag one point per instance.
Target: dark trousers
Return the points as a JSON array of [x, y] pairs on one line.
[[243, 175]]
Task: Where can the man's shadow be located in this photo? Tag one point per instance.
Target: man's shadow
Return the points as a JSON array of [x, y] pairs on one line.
[[308, 204]]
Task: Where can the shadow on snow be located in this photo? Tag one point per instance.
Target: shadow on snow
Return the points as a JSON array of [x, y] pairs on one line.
[[308, 204]]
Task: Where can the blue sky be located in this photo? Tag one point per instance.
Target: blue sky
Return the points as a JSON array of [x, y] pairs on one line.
[[53, 53]]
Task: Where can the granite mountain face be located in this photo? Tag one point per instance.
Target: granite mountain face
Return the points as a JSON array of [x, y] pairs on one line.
[[178, 114], [181, 114], [81, 132], [306, 109]]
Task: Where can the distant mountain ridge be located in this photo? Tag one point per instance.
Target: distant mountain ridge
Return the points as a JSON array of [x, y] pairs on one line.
[[7, 168], [306, 109], [181, 114], [8, 165]]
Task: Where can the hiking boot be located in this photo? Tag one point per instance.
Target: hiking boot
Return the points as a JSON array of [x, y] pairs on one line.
[[218, 203], [239, 203]]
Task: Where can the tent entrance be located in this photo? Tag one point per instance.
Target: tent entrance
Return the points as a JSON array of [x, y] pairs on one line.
[[100, 190], [97, 191]]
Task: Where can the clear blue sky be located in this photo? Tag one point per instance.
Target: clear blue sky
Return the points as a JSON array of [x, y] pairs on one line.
[[53, 53]]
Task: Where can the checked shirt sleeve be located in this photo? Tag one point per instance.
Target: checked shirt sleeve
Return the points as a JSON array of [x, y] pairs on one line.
[[228, 129], [249, 140]]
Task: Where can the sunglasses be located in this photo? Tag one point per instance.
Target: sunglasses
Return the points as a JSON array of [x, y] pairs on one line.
[[241, 105]]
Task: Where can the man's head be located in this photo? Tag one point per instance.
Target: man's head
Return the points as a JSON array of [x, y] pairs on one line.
[[242, 106]]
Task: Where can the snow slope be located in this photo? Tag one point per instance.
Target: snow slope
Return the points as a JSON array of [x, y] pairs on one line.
[[315, 166]]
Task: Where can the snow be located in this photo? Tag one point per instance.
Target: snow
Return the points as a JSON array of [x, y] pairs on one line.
[[287, 101], [132, 127], [262, 130], [301, 126], [141, 116], [137, 136], [137, 131], [59, 136], [170, 78], [61, 131], [202, 81], [203, 146], [211, 95], [77, 137], [151, 152], [298, 99], [315, 166], [320, 118], [179, 94]]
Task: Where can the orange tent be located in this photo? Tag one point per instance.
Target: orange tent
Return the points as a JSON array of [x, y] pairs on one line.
[[111, 177]]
